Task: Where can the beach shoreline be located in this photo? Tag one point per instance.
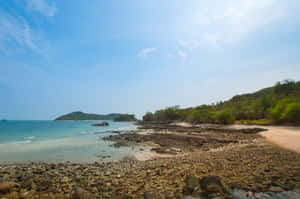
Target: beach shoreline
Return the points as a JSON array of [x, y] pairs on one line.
[[242, 159], [286, 137]]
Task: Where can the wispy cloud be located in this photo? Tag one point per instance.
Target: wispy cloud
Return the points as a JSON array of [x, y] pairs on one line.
[[42, 6], [184, 47], [233, 21], [212, 39], [15, 32], [181, 54], [145, 52], [191, 45]]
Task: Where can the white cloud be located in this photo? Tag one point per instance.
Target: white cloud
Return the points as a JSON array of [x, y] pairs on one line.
[[191, 45], [233, 21], [145, 52], [42, 6], [15, 33], [171, 56], [212, 39], [181, 54]]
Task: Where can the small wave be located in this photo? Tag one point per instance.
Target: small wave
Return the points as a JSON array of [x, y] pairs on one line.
[[127, 128], [26, 140], [29, 138], [22, 142], [16, 143], [84, 132]]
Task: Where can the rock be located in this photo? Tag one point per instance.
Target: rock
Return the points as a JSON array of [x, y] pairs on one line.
[[190, 197], [65, 180], [276, 189], [253, 130], [79, 193], [176, 149], [148, 195], [212, 186], [250, 193], [191, 184], [6, 187], [27, 194], [13, 195]]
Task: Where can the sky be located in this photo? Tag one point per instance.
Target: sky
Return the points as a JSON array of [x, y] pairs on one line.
[[137, 56]]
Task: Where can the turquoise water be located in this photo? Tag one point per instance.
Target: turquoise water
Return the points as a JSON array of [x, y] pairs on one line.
[[77, 141]]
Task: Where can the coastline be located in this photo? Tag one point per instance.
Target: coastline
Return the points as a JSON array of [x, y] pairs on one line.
[[286, 137], [251, 164]]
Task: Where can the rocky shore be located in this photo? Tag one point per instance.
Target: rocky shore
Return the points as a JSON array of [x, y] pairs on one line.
[[214, 162], [173, 139]]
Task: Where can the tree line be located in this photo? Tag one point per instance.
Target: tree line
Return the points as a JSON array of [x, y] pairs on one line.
[[279, 104]]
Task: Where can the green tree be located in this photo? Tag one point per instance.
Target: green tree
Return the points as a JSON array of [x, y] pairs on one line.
[[276, 112], [224, 117], [291, 113], [148, 117]]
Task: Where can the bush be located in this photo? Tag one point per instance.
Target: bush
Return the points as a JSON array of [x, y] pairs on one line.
[[148, 117], [276, 112], [224, 117], [291, 113], [201, 114]]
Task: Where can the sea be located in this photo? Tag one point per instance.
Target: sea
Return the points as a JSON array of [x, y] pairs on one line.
[[60, 141]]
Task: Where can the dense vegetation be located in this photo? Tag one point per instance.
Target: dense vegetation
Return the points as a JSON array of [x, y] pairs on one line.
[[87, 116], [279, 104], [125, 118]]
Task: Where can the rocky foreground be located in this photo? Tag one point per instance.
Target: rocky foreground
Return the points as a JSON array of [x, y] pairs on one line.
[[213, 163]]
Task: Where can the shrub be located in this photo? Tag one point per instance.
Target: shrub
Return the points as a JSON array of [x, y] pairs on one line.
[[291, 113], [148, 117], [276, 112], [225, 117]]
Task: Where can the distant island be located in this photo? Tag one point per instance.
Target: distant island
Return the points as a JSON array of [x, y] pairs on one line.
[[125, 118], [279, 104], [78, 115]]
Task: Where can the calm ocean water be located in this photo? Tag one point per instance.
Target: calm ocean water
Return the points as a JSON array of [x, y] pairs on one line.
[[78, 141]]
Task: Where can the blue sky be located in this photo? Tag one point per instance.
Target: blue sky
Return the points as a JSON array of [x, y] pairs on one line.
[[136, 56]]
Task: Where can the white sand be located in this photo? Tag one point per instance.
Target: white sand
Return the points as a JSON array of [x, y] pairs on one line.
[[283, 136], [286, 137]]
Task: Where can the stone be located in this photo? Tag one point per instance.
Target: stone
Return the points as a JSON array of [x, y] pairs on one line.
[[276, 189], [212, 186], [13, 195], [6, 187], [79, 193], [148, 195], [190, 197], [65, 180], [191, 184]]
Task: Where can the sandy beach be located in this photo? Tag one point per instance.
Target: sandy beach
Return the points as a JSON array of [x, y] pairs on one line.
[[287, 137]]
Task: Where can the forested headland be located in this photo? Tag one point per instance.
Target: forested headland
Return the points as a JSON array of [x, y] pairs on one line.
[[89, 116]]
